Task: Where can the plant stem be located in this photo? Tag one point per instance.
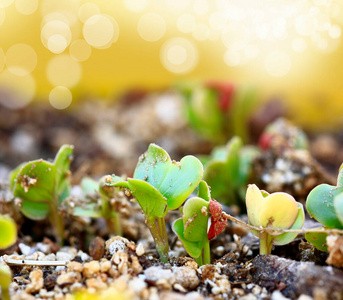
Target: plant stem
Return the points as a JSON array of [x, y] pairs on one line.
[[206, 252], [198, 260], [265, 243], [158, 231], [57, 222]]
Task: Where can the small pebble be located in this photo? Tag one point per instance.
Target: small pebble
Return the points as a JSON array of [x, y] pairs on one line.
[[91, 269], [37, 281]]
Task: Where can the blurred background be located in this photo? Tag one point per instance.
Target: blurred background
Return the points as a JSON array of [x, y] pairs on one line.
[[64, 63], [62, 51]]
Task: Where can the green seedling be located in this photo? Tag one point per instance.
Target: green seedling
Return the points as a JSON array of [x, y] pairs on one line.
[[276, 211], [227, 171], [5, 281], [160, 184], [218, 110], [93, 190], [325, 204], [8, 231], [192, 227], [42, 186]]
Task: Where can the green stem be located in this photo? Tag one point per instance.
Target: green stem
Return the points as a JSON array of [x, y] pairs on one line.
[[266, 243], [158, 231], [57, 222], [198, 260], [113, 224], [206, 252]]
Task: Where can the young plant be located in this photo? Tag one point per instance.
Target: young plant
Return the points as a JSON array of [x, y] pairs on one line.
[[8, 231], [192, 227], [276, 211], [218, 110], [94, 190], [42, 186], [160, 184], [228, 169], [5, 281], [325, 204]]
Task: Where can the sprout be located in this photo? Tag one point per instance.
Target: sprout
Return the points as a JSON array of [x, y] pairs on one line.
[[227, 171], [160, 184], [325, 204], [8, 231], [192, 227], [42, 186], [277, 211], [91, 188], [5, 281]]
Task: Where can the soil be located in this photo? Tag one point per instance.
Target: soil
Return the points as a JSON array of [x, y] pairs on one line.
[[108, 138]]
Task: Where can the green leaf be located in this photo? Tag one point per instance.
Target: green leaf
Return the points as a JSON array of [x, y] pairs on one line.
[[35, 186], [317, 239], [174, 180], [195, 219], [116, 181], [320, 205], [87, 210], [8, 230], [204, 191], [222, 173], [149, 198], [193, 248], [62, 164], [338, 204], [287, 237], [89, 186], [13, 175]]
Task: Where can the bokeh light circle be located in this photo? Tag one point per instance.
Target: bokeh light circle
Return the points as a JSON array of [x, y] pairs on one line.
[[151, 27], [60, 97], [16, 91], [201, 32], [80, 50], [21, 59], [100, 31], [179, 55], [56, 35], [57, 43], [88, 10], [277, 63], [63, 70], [26, 7]]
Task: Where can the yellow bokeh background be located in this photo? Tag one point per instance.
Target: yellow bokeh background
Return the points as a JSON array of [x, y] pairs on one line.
[[155, 43]]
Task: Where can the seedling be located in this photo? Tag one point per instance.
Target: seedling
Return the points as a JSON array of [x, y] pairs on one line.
[[160, 184], [192, 227], [8, 231], [227, 171], [42, 186], [217, 110], [273, 212], [5, 281], [93, 190], [325, 204]]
